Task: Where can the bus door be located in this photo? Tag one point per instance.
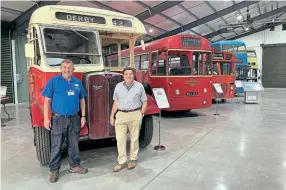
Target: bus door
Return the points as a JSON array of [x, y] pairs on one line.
[[157, 71], [216, 68], [141, 63], [179, 69]]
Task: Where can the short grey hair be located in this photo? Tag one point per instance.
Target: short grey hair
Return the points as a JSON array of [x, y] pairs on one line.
[[66, 61]]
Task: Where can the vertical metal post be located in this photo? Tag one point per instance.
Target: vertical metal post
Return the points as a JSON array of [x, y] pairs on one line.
[[159, 147], [216, 110]]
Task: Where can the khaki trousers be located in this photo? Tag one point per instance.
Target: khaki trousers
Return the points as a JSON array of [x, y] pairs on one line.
[[124, 122]]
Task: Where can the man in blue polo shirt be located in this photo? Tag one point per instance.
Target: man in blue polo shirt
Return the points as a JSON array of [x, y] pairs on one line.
[[64, 94]]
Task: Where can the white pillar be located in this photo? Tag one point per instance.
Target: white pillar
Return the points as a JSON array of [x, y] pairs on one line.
[[14, 72]]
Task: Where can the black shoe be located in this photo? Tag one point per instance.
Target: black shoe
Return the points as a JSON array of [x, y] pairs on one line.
[[54, 176]]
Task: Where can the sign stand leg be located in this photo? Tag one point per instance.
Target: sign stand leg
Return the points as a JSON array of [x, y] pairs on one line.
[[216, 110], [159, 147], [237, 100]]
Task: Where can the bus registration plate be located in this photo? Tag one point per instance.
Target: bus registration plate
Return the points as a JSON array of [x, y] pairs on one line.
[[192, 93]]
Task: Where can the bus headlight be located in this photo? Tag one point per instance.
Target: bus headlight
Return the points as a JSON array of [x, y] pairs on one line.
[[177, 92], [231, 87], [205, 90], [204, 102]]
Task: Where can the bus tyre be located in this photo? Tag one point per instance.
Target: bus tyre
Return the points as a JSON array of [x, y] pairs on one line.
[[146, 132], [43, 145], [223, 100]]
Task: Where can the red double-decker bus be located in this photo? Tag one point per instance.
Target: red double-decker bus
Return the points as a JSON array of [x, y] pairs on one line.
[[223, 73], [181, 64]]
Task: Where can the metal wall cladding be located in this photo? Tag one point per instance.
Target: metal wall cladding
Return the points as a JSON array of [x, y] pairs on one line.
[[274, 66], [6, 67]]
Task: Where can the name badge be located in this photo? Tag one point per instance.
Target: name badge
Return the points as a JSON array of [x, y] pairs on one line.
[[70, 93]]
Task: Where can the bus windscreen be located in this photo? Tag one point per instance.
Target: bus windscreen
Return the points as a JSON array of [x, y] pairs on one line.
[[179, 65], [82, 47]]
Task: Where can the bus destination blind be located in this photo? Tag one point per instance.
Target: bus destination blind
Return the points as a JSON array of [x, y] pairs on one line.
[[218, 56], [80, 18], [121, 22], [191, 42]]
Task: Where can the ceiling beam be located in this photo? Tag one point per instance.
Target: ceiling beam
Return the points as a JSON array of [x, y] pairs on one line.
[[157, 9], [259, 17], [163, 15], [102, 5], [206, 19], [253, 31], [12, 11], [21, 23]]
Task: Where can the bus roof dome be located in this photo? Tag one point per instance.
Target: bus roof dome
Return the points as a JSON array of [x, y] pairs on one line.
[[86, 17]]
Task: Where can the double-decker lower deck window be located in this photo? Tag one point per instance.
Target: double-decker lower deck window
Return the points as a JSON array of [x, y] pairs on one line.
[[241, 73]]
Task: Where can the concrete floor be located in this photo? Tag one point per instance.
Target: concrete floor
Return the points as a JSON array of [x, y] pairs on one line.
[[243, 148]]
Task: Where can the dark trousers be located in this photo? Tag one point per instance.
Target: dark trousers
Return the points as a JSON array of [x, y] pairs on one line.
[[65, 128]]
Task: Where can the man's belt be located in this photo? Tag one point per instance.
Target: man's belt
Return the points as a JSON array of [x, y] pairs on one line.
[[66, 116], [129, 110]]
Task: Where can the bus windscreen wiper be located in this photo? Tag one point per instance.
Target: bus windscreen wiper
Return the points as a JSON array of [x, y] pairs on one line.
[[80, 35]]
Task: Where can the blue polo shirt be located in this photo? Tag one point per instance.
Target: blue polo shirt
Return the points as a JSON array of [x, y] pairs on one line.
[[65, 95]]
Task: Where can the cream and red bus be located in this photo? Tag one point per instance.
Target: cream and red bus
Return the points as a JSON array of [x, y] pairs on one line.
[[79, 34]]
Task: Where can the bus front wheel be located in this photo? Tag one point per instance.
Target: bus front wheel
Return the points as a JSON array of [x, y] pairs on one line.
[[43, 145], [146, 132]]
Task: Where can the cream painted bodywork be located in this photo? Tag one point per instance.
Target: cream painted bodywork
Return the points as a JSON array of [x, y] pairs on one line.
[[108, 33]]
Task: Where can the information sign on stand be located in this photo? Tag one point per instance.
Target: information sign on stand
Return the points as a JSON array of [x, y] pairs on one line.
[[162, 102], [218, 90], [239, 88], [251, 90], [238, 84]]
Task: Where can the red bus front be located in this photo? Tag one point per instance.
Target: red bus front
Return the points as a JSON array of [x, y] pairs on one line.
[[223, 73], [184, 77], [181, 64]]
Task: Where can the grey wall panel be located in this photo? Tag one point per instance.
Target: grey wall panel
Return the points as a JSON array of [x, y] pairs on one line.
[[6, 67], [274, 66]]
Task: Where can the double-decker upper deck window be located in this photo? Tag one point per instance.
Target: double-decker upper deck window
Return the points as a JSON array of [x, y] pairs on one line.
[[239, 49], [82, 47], [251, 53]]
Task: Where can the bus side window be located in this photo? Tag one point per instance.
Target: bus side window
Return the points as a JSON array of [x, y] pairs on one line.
[[196, 63], [161, 66], [113, 63], [154, 58], [137, 61], [144, 63], [37, 59], [125, 62]]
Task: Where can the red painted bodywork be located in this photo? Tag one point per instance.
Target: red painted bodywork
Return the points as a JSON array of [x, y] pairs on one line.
[[99, 102], [185, 83], [227, 82]]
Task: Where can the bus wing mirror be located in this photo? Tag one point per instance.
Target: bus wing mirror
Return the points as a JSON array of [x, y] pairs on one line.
[[29, 50], [143, 45]]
